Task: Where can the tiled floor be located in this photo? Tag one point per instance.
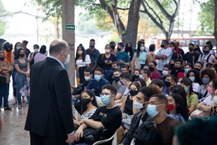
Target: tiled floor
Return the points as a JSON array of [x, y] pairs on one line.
[[12, 131]]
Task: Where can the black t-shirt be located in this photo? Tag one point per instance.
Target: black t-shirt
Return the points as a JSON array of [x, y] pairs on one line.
[[103, 58], [128, 109], [110, 118], [191, 57]]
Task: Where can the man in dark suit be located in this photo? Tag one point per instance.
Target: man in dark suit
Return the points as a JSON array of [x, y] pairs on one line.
[[50, 119]]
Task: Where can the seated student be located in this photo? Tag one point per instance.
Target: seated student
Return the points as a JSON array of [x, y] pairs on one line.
[[98, 82], [194, 76], [145, 74], [117, 84], [128, 104], [141, 82], [178, 70], [187, 68], [157, 109], [125, 79], [88, 76], [210, 101], [115, 65], [191, 97], [135, 75], [169, 82], [107, 118], [160, 84], [86, 105], [142, 99], [198, 66], [155, 74], [166, 71], [124, 68], [177, 108]]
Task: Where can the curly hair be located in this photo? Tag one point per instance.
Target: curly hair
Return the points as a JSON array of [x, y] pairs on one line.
[[208, 72]]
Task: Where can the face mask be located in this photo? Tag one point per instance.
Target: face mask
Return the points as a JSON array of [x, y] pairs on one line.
[[178, 83], [151, 68], [35, 50], [79, 107], [205, 51], [87, 78], [192, 79], [187, 70], [21, 55], [119, 49], [80, 52], [205, 80], [152, 110], [137, 105], [2, 58], [67, 60], [165, 72], [191, 49], [215, 100], [170, 107], [97, 77], [107, 51], [105, 99], [18, 47], [186, 89], [133, 93], [167, 84], [92, 46], [85, 102], [142, 48], [197, 69], [116, 79], [141, 76], [210, 90], [162, 46]]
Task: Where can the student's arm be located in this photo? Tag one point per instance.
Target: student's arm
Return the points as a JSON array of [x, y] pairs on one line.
[[204, 107], [93, 124], [19, 70]]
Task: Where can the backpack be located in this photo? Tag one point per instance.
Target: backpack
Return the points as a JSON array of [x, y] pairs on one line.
[[32, 61], [146, 134]]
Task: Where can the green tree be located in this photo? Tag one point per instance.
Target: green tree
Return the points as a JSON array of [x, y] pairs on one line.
[[206, 18], [2, 20]]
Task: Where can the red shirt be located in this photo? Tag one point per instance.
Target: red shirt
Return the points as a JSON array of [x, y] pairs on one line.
[[155, 75]]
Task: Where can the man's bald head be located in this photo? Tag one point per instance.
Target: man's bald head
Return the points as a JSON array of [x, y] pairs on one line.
[[57, 46]]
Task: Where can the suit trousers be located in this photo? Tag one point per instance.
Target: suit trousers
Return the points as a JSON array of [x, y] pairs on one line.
[[41, 140]]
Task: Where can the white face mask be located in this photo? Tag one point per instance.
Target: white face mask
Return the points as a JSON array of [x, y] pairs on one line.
[[137, 105], [165, 72], [215, 100], [107, 50], [67, 59], [142, 48]]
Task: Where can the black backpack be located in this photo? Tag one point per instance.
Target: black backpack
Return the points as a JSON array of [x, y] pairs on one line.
[[146, 134], [32, 61]]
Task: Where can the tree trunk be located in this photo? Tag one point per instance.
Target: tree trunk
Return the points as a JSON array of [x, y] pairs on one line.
[[133, 22], [215, 21]]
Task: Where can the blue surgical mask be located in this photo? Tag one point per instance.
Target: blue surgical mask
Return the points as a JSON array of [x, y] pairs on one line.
[[138, 105], [105, 99], [97, 77], [152, 110], [187, 70], [141, 76], [192, 79], [205, 80]]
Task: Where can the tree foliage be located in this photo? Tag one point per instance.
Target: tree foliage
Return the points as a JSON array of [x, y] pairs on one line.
[[206, 17], [2, 20]]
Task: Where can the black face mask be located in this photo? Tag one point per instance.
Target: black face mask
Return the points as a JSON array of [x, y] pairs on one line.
[[2, 58], [167, 84], [151, 68], [133, 93], [79, 107], [92, 46], [119, 49], [21, 55], [116, 79], [162, 46], [196, 69], [134, 77], [205, 51], [85, 102], [191, 49]]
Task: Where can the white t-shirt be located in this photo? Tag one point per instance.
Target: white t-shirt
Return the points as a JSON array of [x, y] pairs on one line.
[[168, 52], [196, 87], [203, 58], [209, 101], [81, 63]]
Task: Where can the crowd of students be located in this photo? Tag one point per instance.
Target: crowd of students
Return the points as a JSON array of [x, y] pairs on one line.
[[166, 88]]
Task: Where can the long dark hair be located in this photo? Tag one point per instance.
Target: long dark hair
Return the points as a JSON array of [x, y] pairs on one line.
[[187, 82], [127, 48], [83, 54], [196, 74], [181, 106], [178, 89], [138, 48]]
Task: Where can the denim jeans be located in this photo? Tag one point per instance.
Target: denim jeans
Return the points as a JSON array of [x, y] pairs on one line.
[[14, 82], [20, 80], [4, 95]]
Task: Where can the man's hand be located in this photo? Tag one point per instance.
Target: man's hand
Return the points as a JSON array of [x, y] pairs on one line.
[[71, 138], [163, 56]]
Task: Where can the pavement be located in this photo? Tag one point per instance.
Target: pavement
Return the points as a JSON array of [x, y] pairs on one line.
[[12, 131]]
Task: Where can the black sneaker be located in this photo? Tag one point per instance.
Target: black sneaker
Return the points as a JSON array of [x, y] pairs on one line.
[[7, 108]]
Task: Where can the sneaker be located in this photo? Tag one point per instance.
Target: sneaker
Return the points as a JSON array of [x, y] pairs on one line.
[[7, 108], [19, 107]]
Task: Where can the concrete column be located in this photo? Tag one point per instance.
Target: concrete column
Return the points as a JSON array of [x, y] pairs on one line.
[[68, 30]]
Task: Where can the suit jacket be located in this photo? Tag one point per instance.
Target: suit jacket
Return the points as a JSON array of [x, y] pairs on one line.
[[50, 111]]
